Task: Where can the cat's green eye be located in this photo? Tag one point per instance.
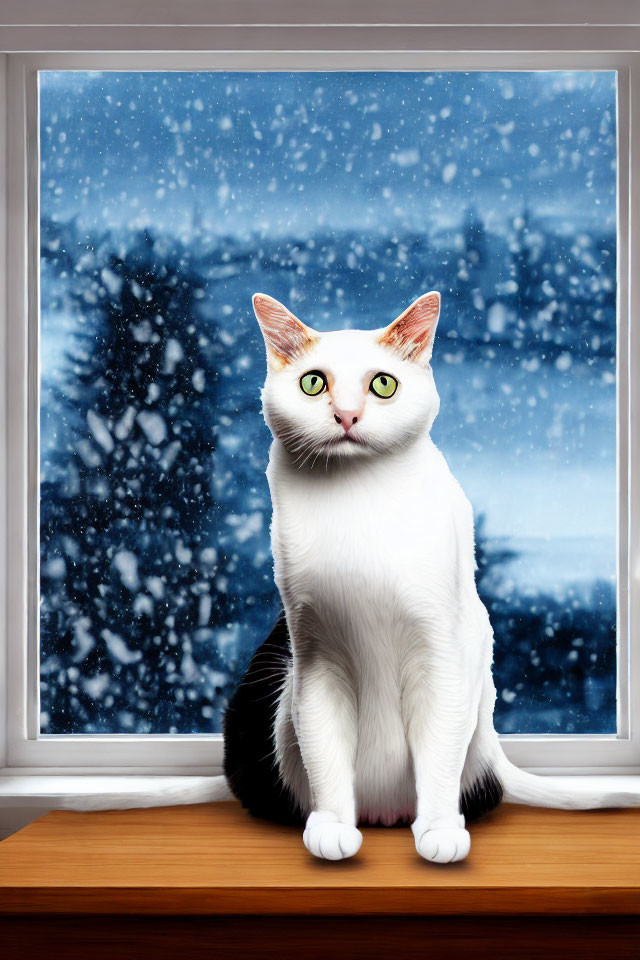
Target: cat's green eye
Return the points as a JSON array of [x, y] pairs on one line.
[[383, 385], [313, 383]]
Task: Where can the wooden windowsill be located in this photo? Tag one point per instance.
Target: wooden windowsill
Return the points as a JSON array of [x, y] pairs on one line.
[[214, 859]]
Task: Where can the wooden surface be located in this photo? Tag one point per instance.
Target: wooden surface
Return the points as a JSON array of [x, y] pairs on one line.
[[214, 859]]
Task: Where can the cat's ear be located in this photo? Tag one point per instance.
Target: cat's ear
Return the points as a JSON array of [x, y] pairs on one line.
[[412, 333], [286, 338]]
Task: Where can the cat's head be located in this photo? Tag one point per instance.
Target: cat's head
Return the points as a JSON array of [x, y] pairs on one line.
[[348, 393]]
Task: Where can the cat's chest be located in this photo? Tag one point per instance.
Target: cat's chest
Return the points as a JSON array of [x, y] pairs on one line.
[[367, 530], [337, 518]]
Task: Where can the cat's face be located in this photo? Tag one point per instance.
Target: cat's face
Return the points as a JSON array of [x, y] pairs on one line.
[[348, 392]]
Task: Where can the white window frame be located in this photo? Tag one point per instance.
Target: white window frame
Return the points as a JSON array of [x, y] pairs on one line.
[[412, 45]]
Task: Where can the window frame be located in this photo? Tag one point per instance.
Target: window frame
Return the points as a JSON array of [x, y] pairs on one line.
[[23, 750]]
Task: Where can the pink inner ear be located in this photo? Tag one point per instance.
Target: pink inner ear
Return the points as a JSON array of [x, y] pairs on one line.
[[412, 332], [285, 336]]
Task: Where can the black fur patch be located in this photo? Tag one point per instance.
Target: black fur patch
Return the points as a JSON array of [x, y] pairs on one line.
[[483, 795], [249, 759]]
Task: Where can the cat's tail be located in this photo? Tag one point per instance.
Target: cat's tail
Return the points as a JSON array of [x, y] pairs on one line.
[[127, 793], [489, 773], [565, 793]]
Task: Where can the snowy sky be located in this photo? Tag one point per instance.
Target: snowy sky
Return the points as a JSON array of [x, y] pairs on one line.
[[276, 152]]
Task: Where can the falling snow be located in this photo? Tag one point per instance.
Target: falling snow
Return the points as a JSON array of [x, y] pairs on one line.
[[167, 200]]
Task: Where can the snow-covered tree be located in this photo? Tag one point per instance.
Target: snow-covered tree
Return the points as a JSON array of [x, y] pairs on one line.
[[128, 517]]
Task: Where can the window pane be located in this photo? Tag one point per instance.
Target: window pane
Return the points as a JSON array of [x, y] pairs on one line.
[[167, 199]]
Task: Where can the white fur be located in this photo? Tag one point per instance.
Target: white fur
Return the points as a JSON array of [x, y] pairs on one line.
[[387, 708]]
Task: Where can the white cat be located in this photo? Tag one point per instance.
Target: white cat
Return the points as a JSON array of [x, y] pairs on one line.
[[372, 699], [385, 711]]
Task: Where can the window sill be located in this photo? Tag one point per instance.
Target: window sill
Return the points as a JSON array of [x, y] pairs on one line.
[[216, 859], [63, 792], [60, 792], [195, 878], [25, 796]]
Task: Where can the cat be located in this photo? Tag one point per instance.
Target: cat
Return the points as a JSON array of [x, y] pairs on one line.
[[372, 699]]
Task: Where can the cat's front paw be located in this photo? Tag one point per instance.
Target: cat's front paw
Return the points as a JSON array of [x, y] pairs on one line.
[[325, 836], [443, 840]]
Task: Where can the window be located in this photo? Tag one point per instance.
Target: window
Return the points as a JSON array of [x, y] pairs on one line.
[[166, 200], [544, 341]]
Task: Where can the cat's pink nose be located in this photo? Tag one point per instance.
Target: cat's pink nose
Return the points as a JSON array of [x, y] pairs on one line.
[[347, 418]]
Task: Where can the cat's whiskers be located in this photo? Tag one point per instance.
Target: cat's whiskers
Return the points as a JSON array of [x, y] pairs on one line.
[[272, 695], [270, 672], [272, 665], [289, 437], [316, 457], [314, 446], [297, 444], [312, 449]]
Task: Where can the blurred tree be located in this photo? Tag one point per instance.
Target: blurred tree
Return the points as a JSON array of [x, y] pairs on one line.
[[525, 267], [475, 239], [127, 506]]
